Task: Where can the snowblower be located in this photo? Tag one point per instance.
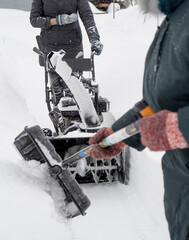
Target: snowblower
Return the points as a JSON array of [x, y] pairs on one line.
[[80, 114]]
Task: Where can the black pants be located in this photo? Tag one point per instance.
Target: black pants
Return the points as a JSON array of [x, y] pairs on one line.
[[57, 86]]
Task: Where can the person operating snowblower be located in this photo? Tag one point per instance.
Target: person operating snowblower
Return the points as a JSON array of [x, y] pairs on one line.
[[60, 29], [166, 90]]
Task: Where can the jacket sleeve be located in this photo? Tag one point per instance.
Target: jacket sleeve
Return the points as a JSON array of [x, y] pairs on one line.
[[128, 118], [37, 18], [183, 119], [87, 18]]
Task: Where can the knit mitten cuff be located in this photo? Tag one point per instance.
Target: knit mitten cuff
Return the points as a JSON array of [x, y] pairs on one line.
[[174, 135]]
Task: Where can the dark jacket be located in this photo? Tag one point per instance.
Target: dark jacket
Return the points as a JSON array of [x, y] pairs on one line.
[[67, 37], [166, 86]]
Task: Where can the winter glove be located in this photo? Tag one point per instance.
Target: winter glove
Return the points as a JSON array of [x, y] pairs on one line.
[[160, 132], [64, 19], [96, 46], [97, 152]]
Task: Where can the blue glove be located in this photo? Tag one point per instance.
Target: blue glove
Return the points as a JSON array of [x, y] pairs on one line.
[[96, 46], [64, 19]]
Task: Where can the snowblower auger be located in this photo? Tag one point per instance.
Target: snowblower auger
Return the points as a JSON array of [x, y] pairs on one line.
[[33, 144]]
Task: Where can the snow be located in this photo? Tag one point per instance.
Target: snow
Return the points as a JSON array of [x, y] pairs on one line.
[[133, 212]]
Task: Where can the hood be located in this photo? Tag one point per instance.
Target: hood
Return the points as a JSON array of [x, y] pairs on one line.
[[168, 6], [154, 6]]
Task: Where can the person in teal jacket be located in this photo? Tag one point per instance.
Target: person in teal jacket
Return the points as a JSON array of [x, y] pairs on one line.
[[166, 91]]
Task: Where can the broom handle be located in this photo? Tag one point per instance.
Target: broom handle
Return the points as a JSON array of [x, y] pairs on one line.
[[116, 137], [141, 108]]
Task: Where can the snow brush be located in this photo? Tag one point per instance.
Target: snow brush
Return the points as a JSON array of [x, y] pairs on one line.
[[33, 145], [141, 108]]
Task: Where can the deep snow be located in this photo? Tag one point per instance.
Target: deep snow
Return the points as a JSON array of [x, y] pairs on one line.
[[133, 212]]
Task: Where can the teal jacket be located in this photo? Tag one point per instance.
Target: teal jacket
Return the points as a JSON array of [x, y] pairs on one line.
[[166, 86]]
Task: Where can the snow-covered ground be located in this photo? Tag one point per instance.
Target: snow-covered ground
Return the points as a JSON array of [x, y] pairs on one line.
[[133, 212]]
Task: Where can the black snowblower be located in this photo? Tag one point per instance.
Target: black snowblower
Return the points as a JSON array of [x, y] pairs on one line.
[[80, 113]]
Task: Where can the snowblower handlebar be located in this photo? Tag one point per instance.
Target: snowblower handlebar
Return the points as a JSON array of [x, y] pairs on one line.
[[39, 52]]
